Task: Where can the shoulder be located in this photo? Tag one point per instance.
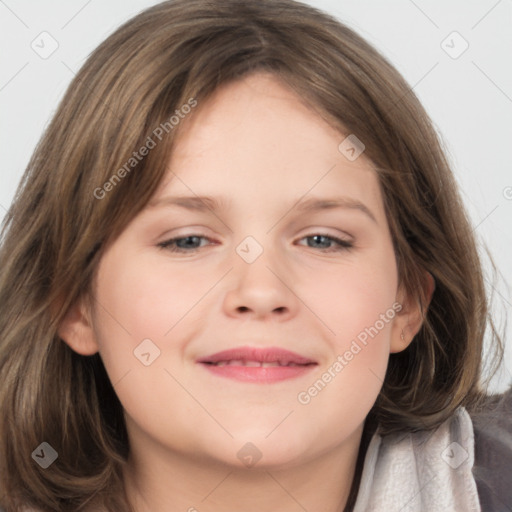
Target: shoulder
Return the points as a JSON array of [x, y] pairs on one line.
[[492, 425]]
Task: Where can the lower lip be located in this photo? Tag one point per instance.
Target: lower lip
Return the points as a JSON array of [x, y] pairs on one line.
[[258, 373]]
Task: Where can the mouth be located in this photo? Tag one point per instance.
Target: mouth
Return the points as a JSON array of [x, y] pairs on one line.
[[252, 364], [257, 365]]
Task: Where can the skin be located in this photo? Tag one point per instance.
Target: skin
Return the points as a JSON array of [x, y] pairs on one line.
[[257, 144]]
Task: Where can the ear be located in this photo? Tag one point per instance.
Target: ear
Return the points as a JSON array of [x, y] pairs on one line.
[[76, 329], [410, 318]]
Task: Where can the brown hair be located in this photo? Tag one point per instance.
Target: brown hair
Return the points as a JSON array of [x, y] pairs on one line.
[[57, 227]]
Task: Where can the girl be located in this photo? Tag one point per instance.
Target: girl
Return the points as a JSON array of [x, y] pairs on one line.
[[237, 274]]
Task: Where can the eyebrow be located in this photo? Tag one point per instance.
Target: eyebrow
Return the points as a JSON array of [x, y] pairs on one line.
[[205, 203]]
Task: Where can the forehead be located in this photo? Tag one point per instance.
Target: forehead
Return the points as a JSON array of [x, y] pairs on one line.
[[257, 139], [260, 105]]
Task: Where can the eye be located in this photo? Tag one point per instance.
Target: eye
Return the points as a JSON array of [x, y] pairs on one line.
[[182, 244], [191, 243], [322, 239]]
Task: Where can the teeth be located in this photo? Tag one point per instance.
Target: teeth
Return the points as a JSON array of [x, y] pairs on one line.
[[248, 363], [234, 362]]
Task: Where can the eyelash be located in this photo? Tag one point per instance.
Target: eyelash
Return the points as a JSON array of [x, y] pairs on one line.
[[343, 245]]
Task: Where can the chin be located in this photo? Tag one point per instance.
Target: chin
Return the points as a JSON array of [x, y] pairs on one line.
[[255, 451]]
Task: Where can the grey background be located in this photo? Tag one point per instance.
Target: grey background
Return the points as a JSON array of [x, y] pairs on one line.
[[468, 96]]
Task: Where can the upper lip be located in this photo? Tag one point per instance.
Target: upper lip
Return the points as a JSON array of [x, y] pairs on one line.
[[262, 355]]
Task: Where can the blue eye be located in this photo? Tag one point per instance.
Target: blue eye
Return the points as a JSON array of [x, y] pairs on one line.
[[191, 243], [341, 245], [183, 244]]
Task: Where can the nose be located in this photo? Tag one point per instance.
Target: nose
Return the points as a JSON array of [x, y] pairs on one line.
[[261, 289]]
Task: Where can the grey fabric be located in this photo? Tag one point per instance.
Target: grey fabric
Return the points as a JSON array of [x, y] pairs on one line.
[[492, 471]]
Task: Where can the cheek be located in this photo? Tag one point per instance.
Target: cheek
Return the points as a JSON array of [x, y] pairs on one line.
[[359, 313], [359, 308], [138, 300], [354, 297]]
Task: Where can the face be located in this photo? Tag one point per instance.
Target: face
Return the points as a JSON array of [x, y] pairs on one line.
[[262, 264]]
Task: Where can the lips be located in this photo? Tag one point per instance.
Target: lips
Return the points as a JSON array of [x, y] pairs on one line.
[[257, 364], [262, 356]]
